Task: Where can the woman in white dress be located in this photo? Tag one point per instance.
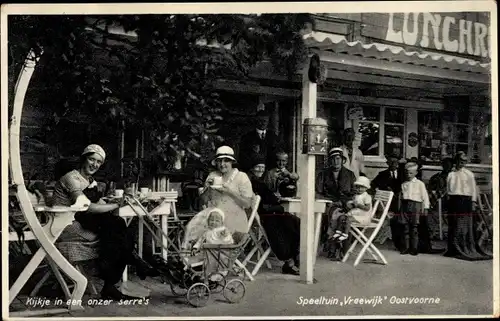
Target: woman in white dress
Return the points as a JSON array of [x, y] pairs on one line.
[[227, 189]]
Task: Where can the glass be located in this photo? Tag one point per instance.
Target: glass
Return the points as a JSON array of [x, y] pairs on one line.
[[369, 138], [393, 142], [394, 115], [371, 113], [462, 133], [429, 135]]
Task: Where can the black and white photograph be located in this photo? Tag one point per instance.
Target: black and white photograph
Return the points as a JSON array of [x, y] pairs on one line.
[[250, 160]]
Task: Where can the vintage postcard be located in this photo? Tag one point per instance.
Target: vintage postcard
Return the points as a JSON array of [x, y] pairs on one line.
[[250, 160]]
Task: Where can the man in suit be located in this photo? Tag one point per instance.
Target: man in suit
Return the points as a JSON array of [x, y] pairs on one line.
[[335, 183], [259, 141], [391, 180]]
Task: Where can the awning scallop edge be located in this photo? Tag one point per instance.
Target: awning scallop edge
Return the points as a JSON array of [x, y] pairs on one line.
[[338, 44]]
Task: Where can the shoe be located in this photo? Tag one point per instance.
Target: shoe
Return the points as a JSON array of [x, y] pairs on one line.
[[287, 269], [404, 252], [435, 251], [414, 252], [112, 293], [343, 237]]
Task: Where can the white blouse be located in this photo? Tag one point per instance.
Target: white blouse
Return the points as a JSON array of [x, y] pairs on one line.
[[462, 182]]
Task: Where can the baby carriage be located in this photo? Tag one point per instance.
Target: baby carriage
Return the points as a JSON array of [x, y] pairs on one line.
[[189, 275]]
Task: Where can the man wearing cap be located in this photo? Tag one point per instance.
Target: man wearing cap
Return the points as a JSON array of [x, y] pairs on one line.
[[335, 183], [258, 141], [462, 202], [354, 157]]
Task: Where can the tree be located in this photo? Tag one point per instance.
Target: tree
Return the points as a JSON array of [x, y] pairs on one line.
[[162, 78]]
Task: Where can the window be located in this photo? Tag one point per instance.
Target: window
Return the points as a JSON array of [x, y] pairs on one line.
[[444, 133], [382, 131]]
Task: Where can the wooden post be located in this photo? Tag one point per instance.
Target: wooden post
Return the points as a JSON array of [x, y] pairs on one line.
[[307, 167]]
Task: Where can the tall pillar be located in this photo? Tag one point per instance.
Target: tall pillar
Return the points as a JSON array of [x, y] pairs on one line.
[[307, 167]]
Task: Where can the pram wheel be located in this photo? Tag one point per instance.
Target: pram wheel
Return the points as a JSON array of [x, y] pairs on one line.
[[216, 282], [198, 295], [234, 290]]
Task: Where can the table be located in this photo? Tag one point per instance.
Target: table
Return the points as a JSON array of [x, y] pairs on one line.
[[293, 205], [164, 210]]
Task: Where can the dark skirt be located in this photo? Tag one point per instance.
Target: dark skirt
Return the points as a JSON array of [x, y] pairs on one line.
[[283, 232], [461, 234], [116, 243]]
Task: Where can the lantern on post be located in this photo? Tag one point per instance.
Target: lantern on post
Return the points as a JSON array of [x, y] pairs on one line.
[[315, 140]]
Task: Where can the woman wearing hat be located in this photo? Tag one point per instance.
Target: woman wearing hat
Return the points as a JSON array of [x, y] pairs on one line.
[[462, 202], [335, 183], [229, 190], [282, 229], [115, 248]]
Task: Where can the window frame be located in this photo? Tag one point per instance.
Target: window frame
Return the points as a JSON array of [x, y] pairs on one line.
[[382, 123]]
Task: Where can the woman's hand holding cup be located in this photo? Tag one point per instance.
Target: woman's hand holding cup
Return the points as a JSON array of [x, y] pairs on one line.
[[209, 182]]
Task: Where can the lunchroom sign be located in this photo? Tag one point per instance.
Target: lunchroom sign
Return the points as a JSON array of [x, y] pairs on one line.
[[442, 31]]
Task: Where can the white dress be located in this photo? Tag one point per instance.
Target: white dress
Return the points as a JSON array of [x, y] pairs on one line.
[[359, 215]]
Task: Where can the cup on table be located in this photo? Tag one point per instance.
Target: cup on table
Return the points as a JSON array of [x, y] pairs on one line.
[[119, 192], [144, 190]]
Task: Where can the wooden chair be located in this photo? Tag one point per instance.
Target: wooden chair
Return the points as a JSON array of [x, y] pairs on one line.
[[484, 226], [383, 199], [58, 217], [260, 242]]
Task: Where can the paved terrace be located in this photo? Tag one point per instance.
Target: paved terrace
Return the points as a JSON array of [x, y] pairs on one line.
[[463, 288]]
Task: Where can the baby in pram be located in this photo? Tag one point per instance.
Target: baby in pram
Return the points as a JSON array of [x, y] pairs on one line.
[[217, 233], [207, 227]]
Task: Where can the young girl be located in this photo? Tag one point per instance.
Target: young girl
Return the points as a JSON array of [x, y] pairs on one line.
[[359, 211]]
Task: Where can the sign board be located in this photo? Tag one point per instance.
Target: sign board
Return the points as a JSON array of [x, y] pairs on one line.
[[466, 33]]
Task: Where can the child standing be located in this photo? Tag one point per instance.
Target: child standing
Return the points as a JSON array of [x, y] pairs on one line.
[[359, 211], [414, 202]]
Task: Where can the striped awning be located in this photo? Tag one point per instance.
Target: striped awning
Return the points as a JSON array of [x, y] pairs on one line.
[[338, 44]]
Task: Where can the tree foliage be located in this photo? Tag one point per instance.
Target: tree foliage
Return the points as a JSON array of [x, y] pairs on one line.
[[162, 78]]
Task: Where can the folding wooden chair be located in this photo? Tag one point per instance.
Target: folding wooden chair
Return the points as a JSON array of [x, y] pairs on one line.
[[261, 247], [382, 198]]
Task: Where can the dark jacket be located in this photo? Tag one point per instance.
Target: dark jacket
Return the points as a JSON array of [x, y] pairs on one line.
[[269, 203], [385, 181], [340, 190], [267, 147]]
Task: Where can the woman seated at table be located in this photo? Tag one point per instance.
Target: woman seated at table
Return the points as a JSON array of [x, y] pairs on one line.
[[115, 248], [282, 229], [227, 189]]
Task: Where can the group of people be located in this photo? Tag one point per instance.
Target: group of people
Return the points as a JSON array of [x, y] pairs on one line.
[[232, 191], [229, 191]]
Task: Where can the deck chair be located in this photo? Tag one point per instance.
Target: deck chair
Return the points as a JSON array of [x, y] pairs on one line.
[[59, 217], [46, 235], [259, 240], [383, 199]]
